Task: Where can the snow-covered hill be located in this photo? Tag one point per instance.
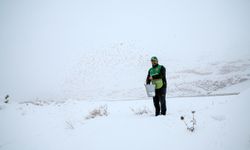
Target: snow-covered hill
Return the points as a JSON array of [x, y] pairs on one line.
[[119, 72], [41, 41]]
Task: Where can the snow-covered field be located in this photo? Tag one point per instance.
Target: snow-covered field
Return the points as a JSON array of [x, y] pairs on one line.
[[75, 72], [223, 123], [110, 83]]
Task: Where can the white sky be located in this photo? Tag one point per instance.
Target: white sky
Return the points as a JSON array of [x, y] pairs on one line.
[[39, 39]]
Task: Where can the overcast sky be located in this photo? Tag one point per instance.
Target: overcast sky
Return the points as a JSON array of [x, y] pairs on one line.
[[39, 39]]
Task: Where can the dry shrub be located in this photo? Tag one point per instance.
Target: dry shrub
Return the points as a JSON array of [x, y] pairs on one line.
[[100, 111]]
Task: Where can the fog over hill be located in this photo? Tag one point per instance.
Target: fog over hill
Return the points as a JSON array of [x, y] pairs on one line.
[[49, 49]]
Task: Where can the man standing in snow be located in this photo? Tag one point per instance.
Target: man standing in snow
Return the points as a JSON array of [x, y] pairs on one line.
[[157, 75]]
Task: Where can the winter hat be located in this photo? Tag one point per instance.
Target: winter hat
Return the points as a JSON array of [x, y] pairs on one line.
[[154, 58]]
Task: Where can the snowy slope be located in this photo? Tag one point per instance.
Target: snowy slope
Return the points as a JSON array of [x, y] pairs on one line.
[[40, 41], [222, 124], [119, 72]]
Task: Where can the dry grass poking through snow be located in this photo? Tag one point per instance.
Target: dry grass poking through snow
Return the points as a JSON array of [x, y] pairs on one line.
[[141, 111], [100, 111]]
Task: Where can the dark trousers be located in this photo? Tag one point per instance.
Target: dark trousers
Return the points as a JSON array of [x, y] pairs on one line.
[[160, 101]]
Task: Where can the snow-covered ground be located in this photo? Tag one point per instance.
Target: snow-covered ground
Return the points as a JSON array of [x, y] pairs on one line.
[[64, 62], [223, 123], [111, 81]]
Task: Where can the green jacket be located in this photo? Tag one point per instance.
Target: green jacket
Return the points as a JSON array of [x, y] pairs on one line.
[[158, 73]]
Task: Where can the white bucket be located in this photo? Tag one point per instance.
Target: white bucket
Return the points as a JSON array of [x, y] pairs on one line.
[[150, 89]]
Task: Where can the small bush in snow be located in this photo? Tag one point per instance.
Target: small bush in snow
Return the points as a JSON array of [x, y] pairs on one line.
[[100, 111], [7, 99], [193, 121], [140, 111]]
